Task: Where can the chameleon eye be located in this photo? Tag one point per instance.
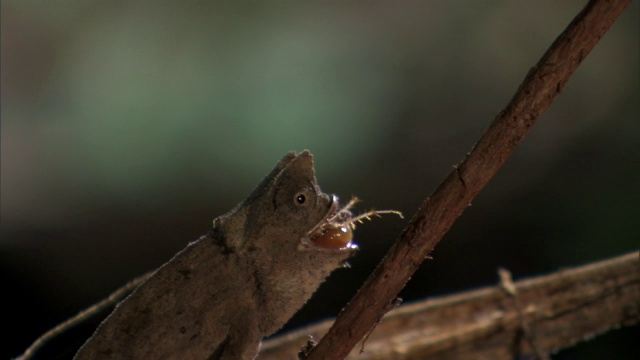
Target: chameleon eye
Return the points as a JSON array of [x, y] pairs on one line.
[[300, 198]]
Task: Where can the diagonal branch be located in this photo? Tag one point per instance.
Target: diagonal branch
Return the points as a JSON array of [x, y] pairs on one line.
[[559, 310], [439, 211]]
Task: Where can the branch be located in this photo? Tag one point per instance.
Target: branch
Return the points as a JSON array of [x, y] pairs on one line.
[[560, 310], [439, 211]]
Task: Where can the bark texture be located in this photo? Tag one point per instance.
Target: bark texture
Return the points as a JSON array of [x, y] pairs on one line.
[[549, 312]]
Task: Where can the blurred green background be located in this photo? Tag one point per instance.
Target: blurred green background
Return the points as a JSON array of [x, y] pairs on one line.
[[128, 126]]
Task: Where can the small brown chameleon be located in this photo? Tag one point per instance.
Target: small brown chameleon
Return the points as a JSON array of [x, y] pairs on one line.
[[242, 281]]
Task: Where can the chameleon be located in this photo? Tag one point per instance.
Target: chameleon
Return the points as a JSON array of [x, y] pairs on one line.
[[241, 281]]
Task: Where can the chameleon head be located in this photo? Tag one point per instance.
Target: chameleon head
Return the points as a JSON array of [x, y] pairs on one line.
[[289, 210], [289, 236]]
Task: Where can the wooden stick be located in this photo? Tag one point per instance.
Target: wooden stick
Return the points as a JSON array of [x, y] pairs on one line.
[[557, 310], [440, 210]]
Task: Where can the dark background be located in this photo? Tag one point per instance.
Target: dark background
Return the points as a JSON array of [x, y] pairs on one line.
[[128, 126]]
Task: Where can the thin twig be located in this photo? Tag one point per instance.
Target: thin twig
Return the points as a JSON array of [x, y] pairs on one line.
[[439, 211], [84, 315]]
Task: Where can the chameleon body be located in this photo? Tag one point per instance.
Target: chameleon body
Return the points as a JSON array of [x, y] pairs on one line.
[[240, 282]]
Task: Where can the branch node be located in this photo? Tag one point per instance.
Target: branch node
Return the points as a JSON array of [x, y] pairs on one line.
[[506, 283], [459, 174], [306, 349]]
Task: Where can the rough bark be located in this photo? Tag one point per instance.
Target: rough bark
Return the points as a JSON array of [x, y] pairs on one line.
[[549, 312], [440, 210]]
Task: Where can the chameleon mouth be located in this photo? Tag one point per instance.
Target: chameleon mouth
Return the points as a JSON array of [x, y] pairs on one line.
[[335, 231]]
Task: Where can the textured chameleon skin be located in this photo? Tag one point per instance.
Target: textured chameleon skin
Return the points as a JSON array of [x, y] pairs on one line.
[[242, 281]]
